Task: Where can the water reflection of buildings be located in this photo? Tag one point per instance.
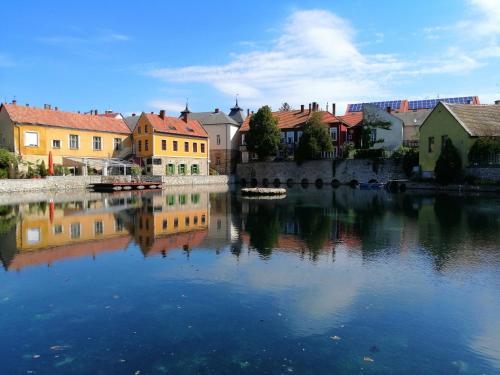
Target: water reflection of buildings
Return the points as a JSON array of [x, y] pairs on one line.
[[43, 233]]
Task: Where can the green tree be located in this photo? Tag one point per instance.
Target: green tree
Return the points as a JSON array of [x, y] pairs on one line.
[[371, 123], [263, 137], [449, 164], [42, 169], [7, 161], [315, 139], [285, 107]]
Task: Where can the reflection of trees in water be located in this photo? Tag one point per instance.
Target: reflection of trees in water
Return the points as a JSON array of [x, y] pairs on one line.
[[263, 226], [8, 220], [315, 227]]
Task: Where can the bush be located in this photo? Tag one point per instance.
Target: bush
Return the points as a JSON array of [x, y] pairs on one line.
[[369, 153], [449, 165], [42, 169], [4, 173], [484, 151], [136, 170], [408, 156]]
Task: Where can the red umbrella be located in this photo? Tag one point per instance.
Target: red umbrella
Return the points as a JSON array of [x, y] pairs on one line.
[[51, 164], [52, 208]]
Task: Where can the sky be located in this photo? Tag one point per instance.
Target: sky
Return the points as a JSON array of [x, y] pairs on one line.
[[131, 57]]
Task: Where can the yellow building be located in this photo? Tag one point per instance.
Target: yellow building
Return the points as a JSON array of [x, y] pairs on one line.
[[171, 146], [72, 138]]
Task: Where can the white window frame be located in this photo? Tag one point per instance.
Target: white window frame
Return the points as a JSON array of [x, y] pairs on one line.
[[26, 140], [117, 141], [29, 234], [60, 144], [54, 229], [218, 139], [77, 141], [94, 137], [95, 227], [79, 226], [334, 133]]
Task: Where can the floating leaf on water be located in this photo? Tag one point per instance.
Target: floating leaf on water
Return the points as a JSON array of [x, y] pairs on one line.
[[368, 359], [244, 364], [36, 356], [335, 338]]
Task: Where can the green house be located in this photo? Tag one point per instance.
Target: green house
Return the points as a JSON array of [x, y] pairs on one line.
[[463, 124]]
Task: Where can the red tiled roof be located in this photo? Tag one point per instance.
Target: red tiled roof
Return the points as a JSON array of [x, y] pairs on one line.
[[174, 125], [51, 117], [292, 119], [176, 241], [352, 118], [50, 255]]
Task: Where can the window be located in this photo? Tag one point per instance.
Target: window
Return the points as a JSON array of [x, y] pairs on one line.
[[217, 161], [195, 147], [117, 144], [431, 144], [171, 200], [31, 139], [97, 143], [176, 222], [149, 161], [218, 139], [56, 143], [203, 147], [186, 146], [145, 129], [195, 198], [186, 221], [373, 135], [58, 229], [139, 146], [165, 224], [182, 199], [444, 140], [195, 169], [74, 142], [98, 227], [195, 220], [33, 235], [157, 161], [146, 145], [119, 224], [203, 219], [182, 168], [170, 170], [175, 145], [164, 144], [333, 134], [75, 230]]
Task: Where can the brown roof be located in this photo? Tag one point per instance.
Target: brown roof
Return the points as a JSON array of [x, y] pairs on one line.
[[51, 117], [293, 119], [174, 125], [477, 120], [352, 118]]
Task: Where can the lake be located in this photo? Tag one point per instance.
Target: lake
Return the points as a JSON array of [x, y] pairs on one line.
[[325, 281]]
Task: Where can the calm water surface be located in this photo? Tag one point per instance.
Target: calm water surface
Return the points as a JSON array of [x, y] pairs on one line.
[[194, 282]]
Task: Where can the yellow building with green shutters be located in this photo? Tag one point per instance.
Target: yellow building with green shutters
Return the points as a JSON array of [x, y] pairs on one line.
[[171, 146]]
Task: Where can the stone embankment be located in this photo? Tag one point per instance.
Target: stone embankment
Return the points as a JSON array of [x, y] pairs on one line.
[[64, 183]]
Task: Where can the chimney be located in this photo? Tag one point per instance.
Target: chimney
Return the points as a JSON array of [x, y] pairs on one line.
[[14, 102], [333, 109], [302, 108], [388, 109], [497, 102], [309, 107], [55, 108], [95, 112], [46, 106], [248, 112], [27, 105], [162, 114], [133, 114], [216, 110]]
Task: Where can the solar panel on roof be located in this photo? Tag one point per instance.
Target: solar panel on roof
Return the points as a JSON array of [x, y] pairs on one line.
[[431, 103]]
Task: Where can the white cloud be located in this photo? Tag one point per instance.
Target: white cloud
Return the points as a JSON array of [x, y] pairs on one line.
[[169, 106], [315, 58], [104, 36], [489, 10]]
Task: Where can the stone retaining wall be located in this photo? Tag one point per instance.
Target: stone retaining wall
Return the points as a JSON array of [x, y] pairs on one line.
[[60, 183], [344, 171], [484, 173]]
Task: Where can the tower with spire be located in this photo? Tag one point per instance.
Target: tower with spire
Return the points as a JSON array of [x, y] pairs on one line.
[[237, 113]]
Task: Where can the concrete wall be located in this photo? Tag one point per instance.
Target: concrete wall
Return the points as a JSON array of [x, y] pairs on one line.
[[197, 180], [47, 184], [327, 170]]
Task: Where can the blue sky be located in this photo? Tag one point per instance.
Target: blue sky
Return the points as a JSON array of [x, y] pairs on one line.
[[153, 55]]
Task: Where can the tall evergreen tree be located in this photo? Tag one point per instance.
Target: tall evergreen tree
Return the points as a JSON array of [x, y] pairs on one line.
[[449, 164], [315, 139], [263, 137]]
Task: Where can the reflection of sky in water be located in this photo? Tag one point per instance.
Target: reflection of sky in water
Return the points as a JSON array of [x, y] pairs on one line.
[[405, 282]]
